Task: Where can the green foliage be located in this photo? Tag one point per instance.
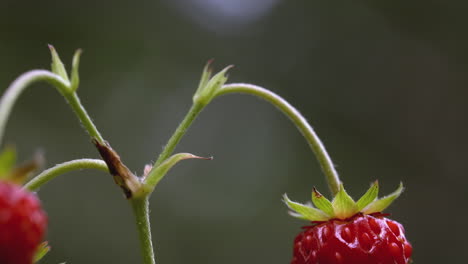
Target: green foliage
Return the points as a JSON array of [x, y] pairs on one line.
[[7, 161], [304, 211], [158, 172], [369, 196], [41, 251], [322, 203], [75, 77], [382, 203], [57, 65], [343, 205], [208, 85]]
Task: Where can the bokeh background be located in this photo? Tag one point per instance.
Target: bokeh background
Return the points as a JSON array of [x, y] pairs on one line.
[[383, 83]]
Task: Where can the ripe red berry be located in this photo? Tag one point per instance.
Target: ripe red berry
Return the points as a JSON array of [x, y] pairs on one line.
[[362, 239], [22, 224], [347, 232]]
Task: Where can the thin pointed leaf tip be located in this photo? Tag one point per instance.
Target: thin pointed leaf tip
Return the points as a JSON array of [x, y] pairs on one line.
[[305, 211], [57, 66], [342, 205]]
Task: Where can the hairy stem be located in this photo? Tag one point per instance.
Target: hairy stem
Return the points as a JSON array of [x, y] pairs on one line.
[[141, 212], [19, 85], [63, 168], [298, 120], [179, 133], [25, 80], [83, 116]]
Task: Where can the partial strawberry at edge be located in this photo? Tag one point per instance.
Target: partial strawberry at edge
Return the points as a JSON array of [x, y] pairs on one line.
[[22, 224], [347, 232]]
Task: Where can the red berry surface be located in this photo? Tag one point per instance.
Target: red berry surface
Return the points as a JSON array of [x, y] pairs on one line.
[[22, 224], [361, 239]]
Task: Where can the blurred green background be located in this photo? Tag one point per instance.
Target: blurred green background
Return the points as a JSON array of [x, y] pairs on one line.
[[383, 83]]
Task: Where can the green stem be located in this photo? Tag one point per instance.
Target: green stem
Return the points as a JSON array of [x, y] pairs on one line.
[[83, 116], [140, 204], [19, 85], [300, 122], [63, 168], [141, 212], [179, 133]]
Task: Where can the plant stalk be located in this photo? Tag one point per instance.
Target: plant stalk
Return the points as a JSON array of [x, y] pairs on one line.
[[12, 93], [83, 116], [141, 212], [63, 168], [179, 133], [301, 123]]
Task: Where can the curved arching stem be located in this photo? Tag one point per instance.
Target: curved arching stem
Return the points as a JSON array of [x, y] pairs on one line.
[[63, 168], [301, 123], [19, 85], [12, 93]]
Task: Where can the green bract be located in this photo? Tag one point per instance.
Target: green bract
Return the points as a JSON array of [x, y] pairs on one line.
[[7, 161], [58, 68], [75, 77], [208, 85], [342, 206], [57, 64], [41, 251], [10, 171]]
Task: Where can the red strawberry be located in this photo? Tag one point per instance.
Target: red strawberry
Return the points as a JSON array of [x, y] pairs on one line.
[[22, 224], [348, 232]]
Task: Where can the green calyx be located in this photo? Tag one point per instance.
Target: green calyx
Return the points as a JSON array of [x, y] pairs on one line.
[[342, 206]]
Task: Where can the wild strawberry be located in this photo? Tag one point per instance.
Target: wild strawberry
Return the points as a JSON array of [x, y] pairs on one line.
[[347, 232], [22, 224]]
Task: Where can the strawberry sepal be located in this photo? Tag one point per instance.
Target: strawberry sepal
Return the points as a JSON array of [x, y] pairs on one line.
[[342, 206]]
